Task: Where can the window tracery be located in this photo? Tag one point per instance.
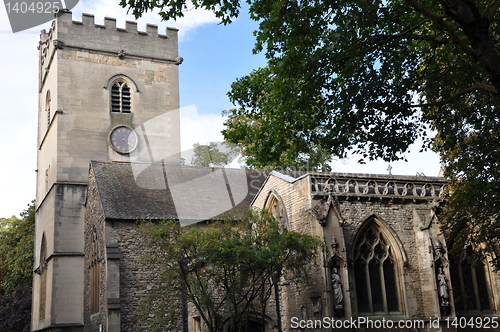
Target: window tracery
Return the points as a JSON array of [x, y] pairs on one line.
[[470, 285], [120, 97], [375, 273], [277, 208]]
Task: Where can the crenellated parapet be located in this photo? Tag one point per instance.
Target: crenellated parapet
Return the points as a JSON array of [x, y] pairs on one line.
[[373, 186], [107, 40], [153, 45]]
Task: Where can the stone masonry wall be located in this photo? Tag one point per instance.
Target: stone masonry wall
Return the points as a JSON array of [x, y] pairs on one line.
[[411, 222], [412, 225], [136, 278], [94, 217]]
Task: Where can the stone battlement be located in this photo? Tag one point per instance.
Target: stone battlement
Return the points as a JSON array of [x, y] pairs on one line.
[[85, 35], [110, 23]]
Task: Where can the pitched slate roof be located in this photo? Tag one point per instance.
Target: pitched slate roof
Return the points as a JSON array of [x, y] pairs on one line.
[[131, 191]]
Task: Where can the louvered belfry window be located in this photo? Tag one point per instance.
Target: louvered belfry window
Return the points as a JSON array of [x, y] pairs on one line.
[[120, 97]]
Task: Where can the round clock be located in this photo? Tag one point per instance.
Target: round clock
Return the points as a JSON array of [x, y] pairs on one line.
[[123, 139]]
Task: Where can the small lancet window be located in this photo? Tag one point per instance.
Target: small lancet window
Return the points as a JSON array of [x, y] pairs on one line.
[[47, 107], [94, 272], [43, 275], [120, 97]]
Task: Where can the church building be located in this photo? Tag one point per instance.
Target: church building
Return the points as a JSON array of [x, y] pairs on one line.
[[96, 84], [109, 157]]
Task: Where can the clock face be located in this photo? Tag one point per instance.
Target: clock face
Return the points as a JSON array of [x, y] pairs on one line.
[[122, 139]]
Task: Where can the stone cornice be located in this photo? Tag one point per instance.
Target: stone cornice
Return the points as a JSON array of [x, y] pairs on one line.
[[428, 188]]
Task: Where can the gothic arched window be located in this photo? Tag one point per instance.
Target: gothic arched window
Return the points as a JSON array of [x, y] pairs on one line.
[[375, 269], [94, 272], [470, 285], [120, 97], [43, 278], [276, 207]]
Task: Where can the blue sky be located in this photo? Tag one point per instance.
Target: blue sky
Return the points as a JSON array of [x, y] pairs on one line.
[[214, 56]]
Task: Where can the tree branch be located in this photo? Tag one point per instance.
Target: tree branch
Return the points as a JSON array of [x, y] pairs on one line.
[[387, 38], [475, 87], [439, 39], [492, 9], [439, 20]]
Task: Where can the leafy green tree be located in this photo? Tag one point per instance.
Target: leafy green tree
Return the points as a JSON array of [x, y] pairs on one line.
[[16, 250], [214, 154], [269, 141], [16, 264], [225, 269], [371, 77]]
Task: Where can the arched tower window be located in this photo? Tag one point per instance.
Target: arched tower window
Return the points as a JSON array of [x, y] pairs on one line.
[[120, 96], [43, 278], [94, 272], [276, 207], [375, 269], [470, 285], [47, 107]]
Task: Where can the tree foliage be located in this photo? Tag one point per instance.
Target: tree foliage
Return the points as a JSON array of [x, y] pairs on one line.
[[16, 250], [372, 77], [16, 264], [227, 270], [15, 310], [214, 154]]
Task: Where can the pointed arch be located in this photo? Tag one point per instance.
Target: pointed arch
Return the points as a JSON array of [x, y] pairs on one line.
[[43, 278], [124, 77], [378, 257], [387, 231], [120, 88], [471, 284], [275, 205], [254, 322], [47, 107], [94, 268]]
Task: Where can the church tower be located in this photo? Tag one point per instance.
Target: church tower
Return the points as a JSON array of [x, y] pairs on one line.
[[97, 83]]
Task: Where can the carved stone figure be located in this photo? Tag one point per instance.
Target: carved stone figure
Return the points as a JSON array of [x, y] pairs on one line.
[[338, 297], [334, 244], [444, 296], [320, 211], [439, 252]]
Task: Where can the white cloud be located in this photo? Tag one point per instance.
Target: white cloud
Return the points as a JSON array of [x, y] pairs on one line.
[[206, 128], [203, 129], [423, 163], [18, 92], [192, 19], [18, 128]]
